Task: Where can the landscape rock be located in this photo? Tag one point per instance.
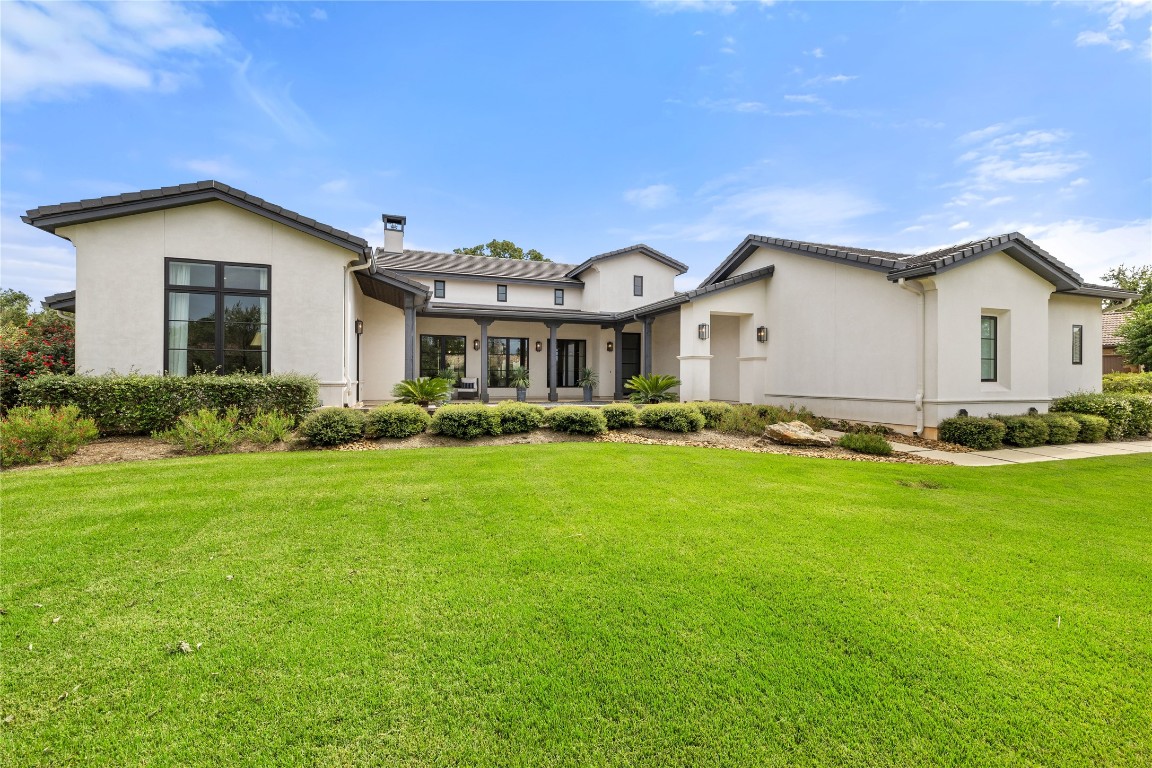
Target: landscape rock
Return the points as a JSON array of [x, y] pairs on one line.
[[796, 433]]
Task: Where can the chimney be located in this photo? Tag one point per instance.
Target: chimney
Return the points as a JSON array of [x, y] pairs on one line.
[[394, 233]]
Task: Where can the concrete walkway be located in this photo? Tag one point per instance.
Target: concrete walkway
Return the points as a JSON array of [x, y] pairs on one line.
[[1004, 456]]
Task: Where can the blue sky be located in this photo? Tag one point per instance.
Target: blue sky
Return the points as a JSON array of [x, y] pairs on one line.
[[578, 128]]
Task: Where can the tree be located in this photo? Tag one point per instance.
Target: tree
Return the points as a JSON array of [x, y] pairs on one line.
[[1136, 332], [14, 308], [31, 344], [1136, 279], [503, 249]]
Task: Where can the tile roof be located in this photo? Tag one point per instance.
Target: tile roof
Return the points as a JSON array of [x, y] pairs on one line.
[[431, 262], [1110, 321], [646, 250]]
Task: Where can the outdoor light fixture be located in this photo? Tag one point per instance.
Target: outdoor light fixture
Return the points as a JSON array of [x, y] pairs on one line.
[[539, 346], [476, 344], [611, 346], [359, 327], [761, 334], [702, 331]]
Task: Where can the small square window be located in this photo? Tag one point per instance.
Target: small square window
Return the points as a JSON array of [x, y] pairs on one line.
[[501, 293], [558, 297], [638, 285], [438, 289], [1077, 345]]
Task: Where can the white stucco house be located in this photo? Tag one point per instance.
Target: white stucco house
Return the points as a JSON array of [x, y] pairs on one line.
[[205, 275]]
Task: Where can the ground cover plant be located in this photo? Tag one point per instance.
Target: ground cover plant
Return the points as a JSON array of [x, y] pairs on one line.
[[310, 608], [865, 442]]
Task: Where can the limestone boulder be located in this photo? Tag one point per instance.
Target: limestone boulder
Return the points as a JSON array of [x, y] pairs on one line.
[[796, 433]]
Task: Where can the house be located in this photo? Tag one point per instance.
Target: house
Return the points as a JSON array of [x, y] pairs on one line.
[[1114, 362], [207, 276]]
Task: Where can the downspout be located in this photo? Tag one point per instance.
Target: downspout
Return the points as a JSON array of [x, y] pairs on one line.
[[918, 289], [348, 270]]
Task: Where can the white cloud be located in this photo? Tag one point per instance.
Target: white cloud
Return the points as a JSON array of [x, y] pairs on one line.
[[36, 262], [804, 98], [729, 45], [817, 53], [1092, 248], [281, 16], [276, 102], [983, 133], [335, 186], [220, 169], [830, 79], [319, 14], [999, 200], [1078, 182], [62, 50], [1115, 35], [692, 6], [651, 197], [1023, 157], [960, 225], [913, 228]]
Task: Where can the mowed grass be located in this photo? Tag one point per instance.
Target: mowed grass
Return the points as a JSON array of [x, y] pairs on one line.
[[577, 605]]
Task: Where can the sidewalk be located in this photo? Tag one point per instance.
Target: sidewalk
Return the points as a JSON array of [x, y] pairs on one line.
[[1005, 456]]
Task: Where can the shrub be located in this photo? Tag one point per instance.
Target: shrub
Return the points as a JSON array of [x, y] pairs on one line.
[[396, 421], [1024, 431], [973, 432], [577, 421], [857, 427], [519, 417], [31, 435], [672, 417], [712, 412], [747, 419], [466, 421], [423, 391], [1140, 422], [135, 404], [1062, 429], [1128, 382], [1111, 406], [652, 388], [204, 431], [332, 426], [620, 415], [31, 346], [1093, 429], [267, 427], [865, 442]]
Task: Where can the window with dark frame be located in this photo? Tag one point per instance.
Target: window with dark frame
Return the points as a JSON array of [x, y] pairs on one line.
[[638, 285], [558, 297], [216, 317], [988, 347], [438, 289], [439, 353], [504, 354], [501, 293], [571, 359], [1077, 345]]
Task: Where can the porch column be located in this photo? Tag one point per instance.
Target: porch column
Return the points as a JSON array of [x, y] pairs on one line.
[[618, 364], [409, 338], [552, 354], [646, 366], [483, 359]]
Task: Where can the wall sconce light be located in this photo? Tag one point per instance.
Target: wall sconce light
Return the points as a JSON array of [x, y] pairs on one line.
[[359, 327], [761, 334], [702, 331], [611, 346], [539, 347], [476, 344]]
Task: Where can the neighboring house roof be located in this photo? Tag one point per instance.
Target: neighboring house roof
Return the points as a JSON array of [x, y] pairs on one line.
[[468, 265], [1109, 322], [61, 302], [910, 266], [640, 248], [50, 217]]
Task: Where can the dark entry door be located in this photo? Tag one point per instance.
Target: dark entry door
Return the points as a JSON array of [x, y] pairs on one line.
[[629, 357]]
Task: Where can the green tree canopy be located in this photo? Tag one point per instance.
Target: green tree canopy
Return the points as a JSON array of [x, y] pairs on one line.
[[1137, 279], [1136, 332], [14, 308], [503, 249]]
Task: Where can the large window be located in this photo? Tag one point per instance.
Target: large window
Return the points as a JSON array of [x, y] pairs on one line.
[[503, 355], [217, 317], [571, 358], [1077, 345], [987, 348], [439, 353]]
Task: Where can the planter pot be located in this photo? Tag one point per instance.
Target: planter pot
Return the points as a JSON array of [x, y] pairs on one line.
[[521, 394], [587, 394]]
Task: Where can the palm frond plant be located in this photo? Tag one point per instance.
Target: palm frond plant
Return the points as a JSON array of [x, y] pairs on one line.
[[588, 379], [518, 377], [424, 391], [652, 388]]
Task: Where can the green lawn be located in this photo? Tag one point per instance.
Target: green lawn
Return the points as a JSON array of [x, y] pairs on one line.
[[577, 604]]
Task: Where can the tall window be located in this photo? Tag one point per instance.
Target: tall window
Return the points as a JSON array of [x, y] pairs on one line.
[[1077, 345], [637, 285], [501, 293], [438, 353], [558, 296], [504, 354], [438, 289], [217, 317], [571, 358], [987, 348]]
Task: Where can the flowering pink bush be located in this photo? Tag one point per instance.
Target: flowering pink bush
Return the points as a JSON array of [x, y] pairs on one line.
[[45, 344]]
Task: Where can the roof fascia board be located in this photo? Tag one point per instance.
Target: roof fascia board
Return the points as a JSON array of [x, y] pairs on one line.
[[522, 314], [1100, 292], [1015, 250], [644, 250]]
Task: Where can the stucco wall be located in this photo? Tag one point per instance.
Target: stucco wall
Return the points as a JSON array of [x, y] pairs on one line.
[[120, 284], [464, 291], [611, 289], [1063, 375]]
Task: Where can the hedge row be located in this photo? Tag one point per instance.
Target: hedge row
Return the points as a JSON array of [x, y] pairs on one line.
[[1128, 382], [138, 404], [1129, 414], [1052, 428]]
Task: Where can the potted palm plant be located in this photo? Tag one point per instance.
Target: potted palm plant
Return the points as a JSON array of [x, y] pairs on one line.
[[424, 392], [588, 380], [518, 377]]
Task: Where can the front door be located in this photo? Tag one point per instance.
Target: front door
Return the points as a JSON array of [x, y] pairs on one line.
[[629, 357]]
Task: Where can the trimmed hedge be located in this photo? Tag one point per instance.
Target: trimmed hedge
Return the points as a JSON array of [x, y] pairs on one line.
[[672, 417], [1093, 429], [332, 426], [519, 417], [1128, 382], [1128, 414], [396, 421], [713, 412], [465, 421], [865, 442], [577, 421], [620, 415], [1062, 429], [973, 431], [1024, 431], [138, 404]]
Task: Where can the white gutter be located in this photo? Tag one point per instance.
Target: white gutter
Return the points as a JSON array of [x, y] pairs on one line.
[[348, 270], [1122, 305], [921, 357]]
